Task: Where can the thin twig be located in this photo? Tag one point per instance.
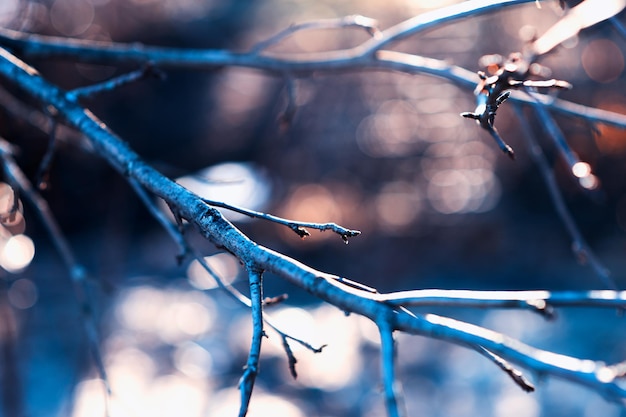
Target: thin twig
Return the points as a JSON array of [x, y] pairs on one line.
[[78, 274], [40, 121], [370, 25], [286, 117], [296, 226], [392, 389], [158, 214], [43, 173], [555, 133], [618, 26], [241, 298], [435, 18], [580, 246], [515, 374], [246, 383], [115, 82]]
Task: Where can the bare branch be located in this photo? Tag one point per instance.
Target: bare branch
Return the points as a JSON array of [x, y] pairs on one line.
[[349, 298], [388, 359], [110, 53], [515, 374], [116, 82], [39, 120], [246, 384], [435, 18], [532, 300], [158, 214], [46, 163], [296, 226], [579, 245], [370, 26], [77, 272], [288, 114], [555, 133], [324, 286]]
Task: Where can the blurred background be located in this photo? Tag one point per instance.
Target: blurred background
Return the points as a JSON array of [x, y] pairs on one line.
[[438, 204]]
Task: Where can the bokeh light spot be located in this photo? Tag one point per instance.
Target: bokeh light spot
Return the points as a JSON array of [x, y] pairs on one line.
[[192, 360], [23, 294], [390, 131], [590, 182], [581, 169], [398, 205], [602, 60], [71, 17], [516, 404], [226, 403], [169, 315], [89, 398], [17, 253], [8, 10]]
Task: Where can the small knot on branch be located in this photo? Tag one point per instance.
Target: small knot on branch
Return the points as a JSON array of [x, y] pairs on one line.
[[299, 230], [494, 89], [270, 301]]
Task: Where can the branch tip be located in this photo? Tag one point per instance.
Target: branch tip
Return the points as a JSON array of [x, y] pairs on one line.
[[270, 301]]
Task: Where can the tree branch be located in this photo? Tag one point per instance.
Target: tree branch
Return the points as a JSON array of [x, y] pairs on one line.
[[252, 366], [297, 226], [533, 300], [579, 245], [321, 285], [78, 274], [388, 359]]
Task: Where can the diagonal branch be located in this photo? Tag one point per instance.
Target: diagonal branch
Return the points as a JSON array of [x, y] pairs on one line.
[[246, 384], [77, 272], [579, 245]]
